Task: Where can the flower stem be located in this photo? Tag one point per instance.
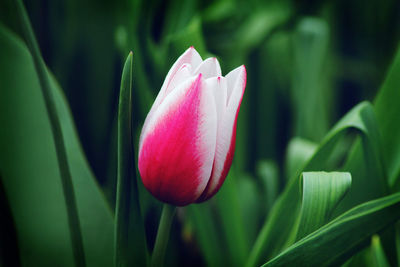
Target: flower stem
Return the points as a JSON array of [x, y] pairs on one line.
[[167, 215]]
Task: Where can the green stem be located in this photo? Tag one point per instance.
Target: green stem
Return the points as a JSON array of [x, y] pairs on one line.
[[157, 259], [66, 179]]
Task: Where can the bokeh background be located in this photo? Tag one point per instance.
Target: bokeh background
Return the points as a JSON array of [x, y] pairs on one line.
[[308, 63]]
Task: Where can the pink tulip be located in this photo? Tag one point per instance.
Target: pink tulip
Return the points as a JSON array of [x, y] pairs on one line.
[[187, 141]]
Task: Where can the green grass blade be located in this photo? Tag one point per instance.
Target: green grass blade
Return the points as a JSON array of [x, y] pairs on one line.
[[322, 192], [130, 241], [68, 189], [337, 241]]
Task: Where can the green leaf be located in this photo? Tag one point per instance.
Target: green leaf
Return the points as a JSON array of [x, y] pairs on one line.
[[30, 172], [397, 241], [268, 175], [272, 57], [207, 234], [299, 151], [309, 84], [337, 241], [219, 227], [278, 226], [217, 11], [253, 206], [229, 211], [190, 35], [130, 240], [178, 16], [378, 255], [259, 25], [321, 193], [55, 126], [387, 112]]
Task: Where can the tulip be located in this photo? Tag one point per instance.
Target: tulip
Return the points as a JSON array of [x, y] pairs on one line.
[[187, 141]]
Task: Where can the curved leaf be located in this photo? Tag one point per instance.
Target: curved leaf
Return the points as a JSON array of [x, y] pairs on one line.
[[337, 241], [59, 142], [278, 226], [30, 173], [322, 191]]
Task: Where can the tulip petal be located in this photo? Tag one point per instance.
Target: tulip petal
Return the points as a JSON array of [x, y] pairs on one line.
[[209, 68], [177, 146], [183, 74], [218, 86], [226, 132], [190, 59]]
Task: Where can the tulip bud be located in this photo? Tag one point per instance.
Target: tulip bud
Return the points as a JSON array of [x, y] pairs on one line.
[[187, 141]]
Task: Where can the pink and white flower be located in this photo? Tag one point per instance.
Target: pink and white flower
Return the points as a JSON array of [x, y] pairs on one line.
[[187, 141]]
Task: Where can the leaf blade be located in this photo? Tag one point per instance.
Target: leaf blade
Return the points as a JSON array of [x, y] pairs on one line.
[[278, 227], [321, 193], [130, 241], [339, 239], [33, 189]]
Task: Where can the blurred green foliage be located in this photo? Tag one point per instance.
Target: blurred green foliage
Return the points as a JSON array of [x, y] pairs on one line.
[[308, 62]]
